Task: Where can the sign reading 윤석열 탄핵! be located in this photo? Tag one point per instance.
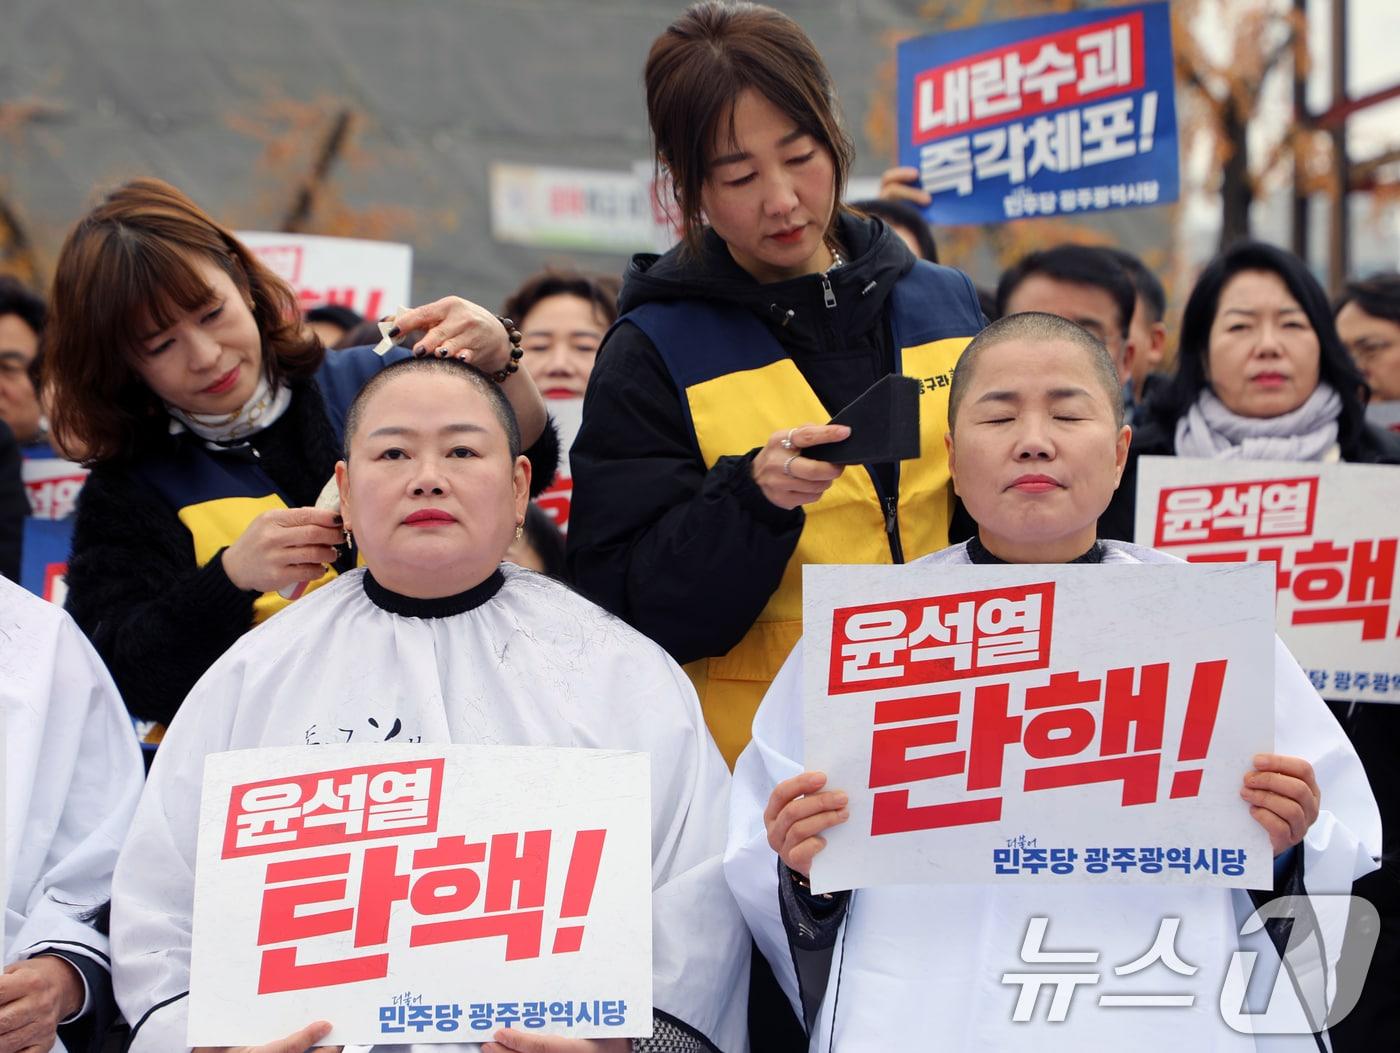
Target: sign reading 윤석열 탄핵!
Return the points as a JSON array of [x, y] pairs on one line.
[[1006, 724], [1329, 530], [1054, 115], [414, 894]]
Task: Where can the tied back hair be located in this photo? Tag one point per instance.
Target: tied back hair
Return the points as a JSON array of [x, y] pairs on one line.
[[696, 71]]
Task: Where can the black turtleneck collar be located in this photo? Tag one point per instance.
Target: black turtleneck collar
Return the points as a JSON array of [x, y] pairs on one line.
[[977, 552], [439, 607]]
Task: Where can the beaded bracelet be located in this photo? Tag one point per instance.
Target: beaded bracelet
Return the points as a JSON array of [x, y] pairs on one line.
[[516, 352]]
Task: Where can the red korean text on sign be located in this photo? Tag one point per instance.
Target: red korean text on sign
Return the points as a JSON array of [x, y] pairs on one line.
[[1058, 722], [55, 496], [938, 638], [333, 807], [1329, 582], [285, 261], [1269, 508], [1029, 77], [444, 891]]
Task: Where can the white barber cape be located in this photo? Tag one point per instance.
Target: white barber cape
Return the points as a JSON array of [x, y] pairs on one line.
[[72, 778], [532, 664], [921, 967]]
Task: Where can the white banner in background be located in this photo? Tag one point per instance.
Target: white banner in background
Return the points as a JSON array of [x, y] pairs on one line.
[[373, 278]]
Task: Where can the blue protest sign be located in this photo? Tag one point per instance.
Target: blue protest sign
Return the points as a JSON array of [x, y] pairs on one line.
[[44, 558], [1054, 115]]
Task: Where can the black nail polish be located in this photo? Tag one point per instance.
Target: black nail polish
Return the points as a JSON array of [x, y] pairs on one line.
[[338, 521], [394, 331]]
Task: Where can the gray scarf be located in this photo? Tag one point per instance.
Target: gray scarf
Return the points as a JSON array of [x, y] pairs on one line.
[[1308, 433]]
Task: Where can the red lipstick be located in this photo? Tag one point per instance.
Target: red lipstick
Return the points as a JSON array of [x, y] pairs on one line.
[[428, 517], [1035, 484], [224, 384]]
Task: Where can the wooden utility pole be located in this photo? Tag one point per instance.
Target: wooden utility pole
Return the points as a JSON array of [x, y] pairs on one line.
[[1339, 229], [1302, 119]]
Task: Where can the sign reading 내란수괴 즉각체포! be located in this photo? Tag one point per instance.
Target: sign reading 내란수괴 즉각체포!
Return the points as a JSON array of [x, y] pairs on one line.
[[1054, 115]]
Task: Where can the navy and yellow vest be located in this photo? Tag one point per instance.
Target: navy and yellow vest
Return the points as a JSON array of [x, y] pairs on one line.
[[739, 387], [217, 495]]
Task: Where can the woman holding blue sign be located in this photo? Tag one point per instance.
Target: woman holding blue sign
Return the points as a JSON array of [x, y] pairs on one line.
[[694, 507], [1038, 444]]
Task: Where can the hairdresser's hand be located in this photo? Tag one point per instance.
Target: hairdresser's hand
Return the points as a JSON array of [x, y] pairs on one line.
[[298, 1042], [787, 478], [902, 184], [283, 547], [457, 328], [797, 813]]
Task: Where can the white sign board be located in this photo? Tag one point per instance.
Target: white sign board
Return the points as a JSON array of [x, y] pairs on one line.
[[412, 894], [1331, 531], [373, 278], [577, 208], [557, 499], [1033, 724]]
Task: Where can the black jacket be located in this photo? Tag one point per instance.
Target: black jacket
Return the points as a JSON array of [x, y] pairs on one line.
[[690, 556], [159, 620], [1157, 437], [14, 504]]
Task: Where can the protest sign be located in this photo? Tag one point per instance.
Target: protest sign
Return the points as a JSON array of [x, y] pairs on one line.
[[1331, 532], [1013, 724], [373, 278], [52, 484], [422, 894], [1054, 115], [557, 499], [584, 209]]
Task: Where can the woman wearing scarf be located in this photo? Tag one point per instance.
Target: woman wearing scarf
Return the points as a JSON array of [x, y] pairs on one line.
[[1263, 375], [179, 370]]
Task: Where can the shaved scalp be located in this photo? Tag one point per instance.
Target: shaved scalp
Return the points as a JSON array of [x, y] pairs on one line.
[[1036, 326], [447, 367]]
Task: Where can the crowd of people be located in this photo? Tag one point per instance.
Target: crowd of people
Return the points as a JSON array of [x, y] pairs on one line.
[[276, 514]]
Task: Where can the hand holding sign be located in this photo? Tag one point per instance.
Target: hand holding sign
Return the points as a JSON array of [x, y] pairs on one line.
[[788, 479], [35, 995], [1284, 798], [797, 814], [901, 183], [297, 1042]]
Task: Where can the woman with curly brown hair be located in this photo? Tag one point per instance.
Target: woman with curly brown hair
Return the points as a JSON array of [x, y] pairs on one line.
[[178, 370]]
